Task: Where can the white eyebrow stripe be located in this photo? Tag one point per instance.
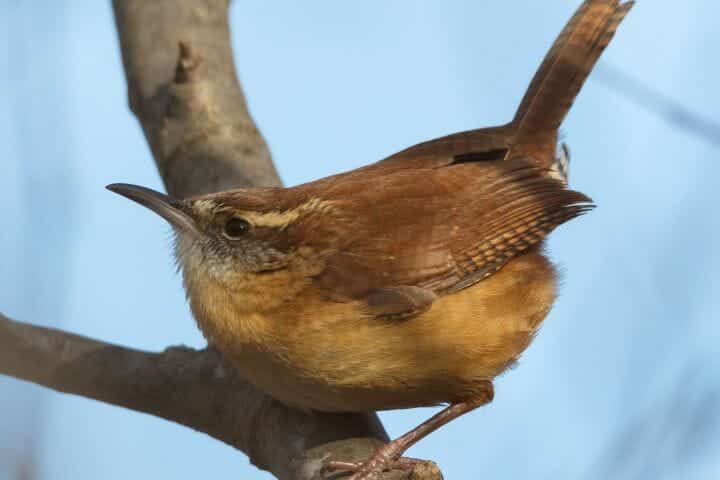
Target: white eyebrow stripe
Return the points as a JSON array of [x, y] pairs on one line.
[[271, 219], [281, 219]]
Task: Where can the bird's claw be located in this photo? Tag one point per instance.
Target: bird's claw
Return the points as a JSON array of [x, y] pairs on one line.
[[371, 468]]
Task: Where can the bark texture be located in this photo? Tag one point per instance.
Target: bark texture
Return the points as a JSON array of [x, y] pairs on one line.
[[183, 88]]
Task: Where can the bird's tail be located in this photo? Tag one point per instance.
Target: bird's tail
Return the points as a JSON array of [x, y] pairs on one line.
[[566, 66]]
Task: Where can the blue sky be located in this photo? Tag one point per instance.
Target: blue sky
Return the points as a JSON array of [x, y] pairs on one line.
[[621, 383]]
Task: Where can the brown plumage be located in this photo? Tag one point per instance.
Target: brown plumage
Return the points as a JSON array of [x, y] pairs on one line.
[[412, 281], [338, 312]]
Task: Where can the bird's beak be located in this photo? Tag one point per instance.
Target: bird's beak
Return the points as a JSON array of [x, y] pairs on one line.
[[167, 207]]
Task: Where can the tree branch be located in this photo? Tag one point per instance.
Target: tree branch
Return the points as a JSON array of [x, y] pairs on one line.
[[190, 387], [184, 91], [191, 108]]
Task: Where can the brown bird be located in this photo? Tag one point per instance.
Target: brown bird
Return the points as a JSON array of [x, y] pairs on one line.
[[410, 282]]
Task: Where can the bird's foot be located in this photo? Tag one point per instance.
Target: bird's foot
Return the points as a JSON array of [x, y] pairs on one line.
[[383, 460]]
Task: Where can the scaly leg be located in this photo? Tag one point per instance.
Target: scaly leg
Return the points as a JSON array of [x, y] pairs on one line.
[[388, 456]]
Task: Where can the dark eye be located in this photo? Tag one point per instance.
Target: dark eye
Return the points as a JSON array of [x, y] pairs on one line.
[[236, 227]]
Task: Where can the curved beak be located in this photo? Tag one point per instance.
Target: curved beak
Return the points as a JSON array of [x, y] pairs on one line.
[[167, 207]]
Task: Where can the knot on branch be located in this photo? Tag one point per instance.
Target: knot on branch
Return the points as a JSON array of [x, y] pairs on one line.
[[188, 62]]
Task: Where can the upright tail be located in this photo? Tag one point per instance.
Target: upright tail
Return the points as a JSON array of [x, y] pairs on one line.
[[567, 65], [533, 132]]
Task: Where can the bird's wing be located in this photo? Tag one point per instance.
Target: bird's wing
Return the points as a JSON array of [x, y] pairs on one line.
[[441, 229]]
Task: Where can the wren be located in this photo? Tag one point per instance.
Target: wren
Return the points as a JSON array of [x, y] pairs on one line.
[[414, 281]]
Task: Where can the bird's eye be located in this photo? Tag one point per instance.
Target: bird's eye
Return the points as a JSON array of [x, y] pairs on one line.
[[236, 227]]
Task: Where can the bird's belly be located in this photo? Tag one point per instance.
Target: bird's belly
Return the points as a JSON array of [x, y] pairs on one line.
[[330, 357]]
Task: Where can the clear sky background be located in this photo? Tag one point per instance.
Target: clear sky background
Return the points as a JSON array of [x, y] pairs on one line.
[[624, 380]]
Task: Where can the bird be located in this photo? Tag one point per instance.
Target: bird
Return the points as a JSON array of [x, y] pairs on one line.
[[413, 281]]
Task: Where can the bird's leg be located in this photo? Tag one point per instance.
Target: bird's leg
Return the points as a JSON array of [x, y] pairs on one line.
[[388, 457]]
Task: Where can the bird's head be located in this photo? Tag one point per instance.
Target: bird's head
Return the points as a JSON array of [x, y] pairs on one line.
[[242, 233]]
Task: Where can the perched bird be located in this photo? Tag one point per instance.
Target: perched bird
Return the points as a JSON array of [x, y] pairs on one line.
[[410, 282]]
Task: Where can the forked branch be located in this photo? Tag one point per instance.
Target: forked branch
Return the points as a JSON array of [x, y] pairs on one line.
[[184, 91]]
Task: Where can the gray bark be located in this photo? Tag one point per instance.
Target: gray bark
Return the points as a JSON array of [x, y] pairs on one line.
[[183, 88]]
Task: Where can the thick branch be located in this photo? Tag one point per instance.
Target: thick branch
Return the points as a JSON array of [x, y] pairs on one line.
[[191, 108], [190, 387], [183, 89]]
